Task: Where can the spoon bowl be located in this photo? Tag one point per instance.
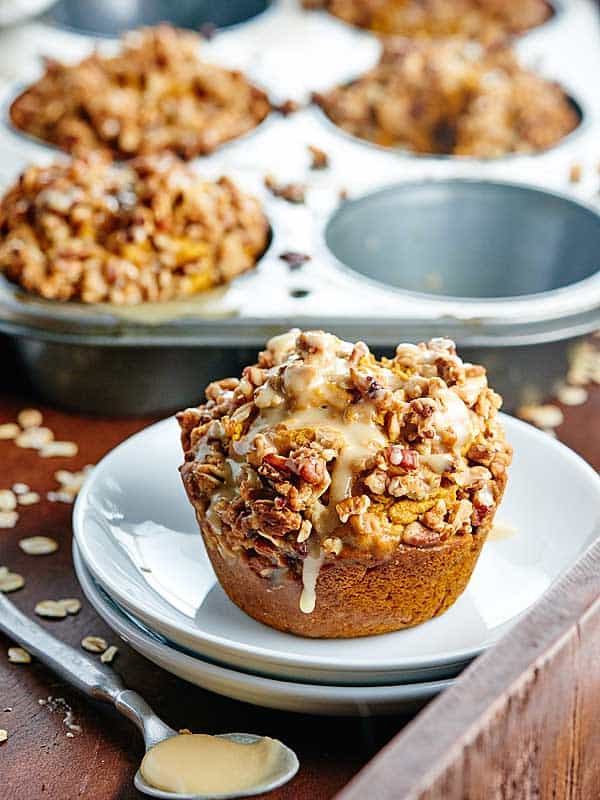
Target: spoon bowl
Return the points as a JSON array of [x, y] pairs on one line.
[[100, 682]]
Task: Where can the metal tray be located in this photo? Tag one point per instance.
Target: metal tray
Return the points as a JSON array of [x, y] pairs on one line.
[[452, 217]]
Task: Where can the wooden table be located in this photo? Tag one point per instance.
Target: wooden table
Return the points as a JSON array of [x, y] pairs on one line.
[[39, 761]]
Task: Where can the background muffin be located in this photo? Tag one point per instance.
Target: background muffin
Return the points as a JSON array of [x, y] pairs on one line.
[[486, 20], [155, 95], [452, 96], [151, 230], [342, 496]]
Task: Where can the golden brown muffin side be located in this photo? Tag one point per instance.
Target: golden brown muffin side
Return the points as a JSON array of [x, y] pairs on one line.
[[151, 230], [323, 467]]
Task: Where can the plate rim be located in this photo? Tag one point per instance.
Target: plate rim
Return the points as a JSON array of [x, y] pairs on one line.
[[265, 654]]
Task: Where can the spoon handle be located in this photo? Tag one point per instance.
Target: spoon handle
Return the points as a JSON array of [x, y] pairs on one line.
[[91, 678]]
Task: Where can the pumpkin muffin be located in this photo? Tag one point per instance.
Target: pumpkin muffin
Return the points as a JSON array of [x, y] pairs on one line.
[[156, 94], [489, 21], [452, 97], [339, 495], [151, 230]]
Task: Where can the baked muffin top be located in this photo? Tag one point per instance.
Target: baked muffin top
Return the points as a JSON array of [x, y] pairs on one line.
[[156, 94], [322, 446], [452, 96], [486, 20], [151, 230]]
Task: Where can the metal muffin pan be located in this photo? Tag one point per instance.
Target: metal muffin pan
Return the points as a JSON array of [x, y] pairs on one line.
[[73, 354], [92, 18]]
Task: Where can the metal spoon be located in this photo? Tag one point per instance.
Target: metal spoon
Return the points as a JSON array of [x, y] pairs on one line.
[[102, 683]]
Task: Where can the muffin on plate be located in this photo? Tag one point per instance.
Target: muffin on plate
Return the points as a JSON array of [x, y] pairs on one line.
[[452, 96], [486, 20], [149, 230], [339, 495], [155, 94]]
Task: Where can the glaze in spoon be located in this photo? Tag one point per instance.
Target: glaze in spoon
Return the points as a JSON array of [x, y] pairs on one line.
[[269, 762]]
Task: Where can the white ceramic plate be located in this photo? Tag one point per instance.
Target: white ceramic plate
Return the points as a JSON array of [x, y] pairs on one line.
[[138, 536], [284, 695]]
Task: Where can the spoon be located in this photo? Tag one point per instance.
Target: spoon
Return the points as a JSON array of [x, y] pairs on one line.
[[102, 683]]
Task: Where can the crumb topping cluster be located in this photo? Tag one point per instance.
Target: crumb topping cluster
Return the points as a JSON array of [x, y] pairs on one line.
[[150, 230], [452, 96], [154, 95], [486, 20], [321, 448]]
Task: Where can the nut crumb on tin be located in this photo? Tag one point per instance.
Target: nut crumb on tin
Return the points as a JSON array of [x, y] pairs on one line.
[[294, 193]]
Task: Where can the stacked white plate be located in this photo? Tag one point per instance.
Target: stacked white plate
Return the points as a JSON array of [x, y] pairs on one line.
[[141, 563]]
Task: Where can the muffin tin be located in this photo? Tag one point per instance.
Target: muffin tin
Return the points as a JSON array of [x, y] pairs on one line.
[[498, 254]]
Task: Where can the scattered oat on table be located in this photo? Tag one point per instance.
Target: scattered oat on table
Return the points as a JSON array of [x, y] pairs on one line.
[[584, 365], [3, 735], [8, 519], [59, 450], [34, 438], [94, 644], [571, 395], [30, 418], [18, 655], [71, 605], [544, 416], [53, 609], [9, 430], [20, 488], [109, 654], [28, 499], [38, 545], [8, 500], [10, 581]]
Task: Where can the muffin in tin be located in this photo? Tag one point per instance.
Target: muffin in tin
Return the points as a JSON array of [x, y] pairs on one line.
[[452, 96], [156, 94], [339, 495], [488, 21], [89, 230]]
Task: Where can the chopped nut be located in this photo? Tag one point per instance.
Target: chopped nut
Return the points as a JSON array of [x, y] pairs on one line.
[[571, 395], [3, 735], [34, 438], [287, 107], [53, 609], [9, 430], [305, 531], [28, 499], [543, 416], [8, 519], [333, 545], [10, 581], [294, 260], [108, 655], [59, 449], [575, 173], [18, 655], [20, 488], [38, 545], [319, 158], [94, 644], [30, 418], [8, 500]]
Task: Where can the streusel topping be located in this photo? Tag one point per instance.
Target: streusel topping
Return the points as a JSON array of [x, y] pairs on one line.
[[452, 96], [151, 230], [155, 95], [486, 20], [322, 451]]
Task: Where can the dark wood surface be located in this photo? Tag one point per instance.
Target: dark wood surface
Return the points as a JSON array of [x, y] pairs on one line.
[[39, 761]]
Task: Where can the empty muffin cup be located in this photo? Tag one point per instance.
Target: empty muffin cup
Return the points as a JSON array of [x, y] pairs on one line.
[[112, 19]]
